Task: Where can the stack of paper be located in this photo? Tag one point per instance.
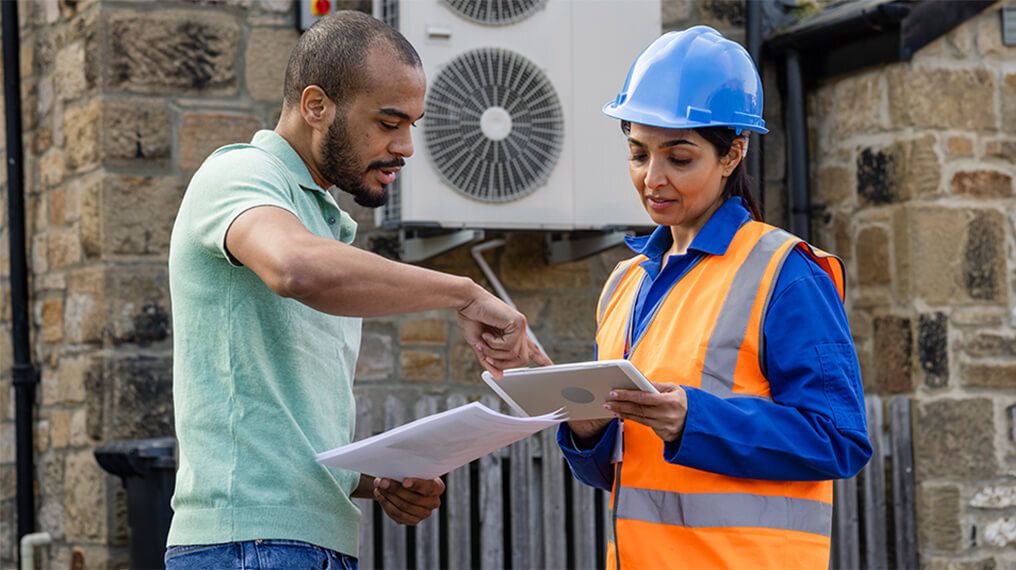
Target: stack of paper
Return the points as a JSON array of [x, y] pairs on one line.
[[434, 445]]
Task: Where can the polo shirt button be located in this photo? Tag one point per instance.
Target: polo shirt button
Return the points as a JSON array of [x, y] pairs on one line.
[[331, 220]]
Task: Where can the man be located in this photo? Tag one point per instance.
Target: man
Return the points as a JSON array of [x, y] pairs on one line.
[[267, 299]]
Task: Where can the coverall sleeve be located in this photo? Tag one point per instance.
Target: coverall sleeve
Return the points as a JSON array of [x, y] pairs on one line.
[[815, 427], [591, 466]]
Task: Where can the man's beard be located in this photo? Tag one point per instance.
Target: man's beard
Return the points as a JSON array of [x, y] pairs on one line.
[[341, 168]]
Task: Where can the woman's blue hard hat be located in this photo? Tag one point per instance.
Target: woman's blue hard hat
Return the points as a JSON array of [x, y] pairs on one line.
[[690, 79]]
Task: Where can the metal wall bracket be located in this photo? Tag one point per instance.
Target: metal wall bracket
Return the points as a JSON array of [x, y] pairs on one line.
[[417, 246], [573, 246]]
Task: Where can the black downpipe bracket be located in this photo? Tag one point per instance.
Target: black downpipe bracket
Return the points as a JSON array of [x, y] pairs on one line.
[[753, 37], [797, 140], [23, 373]]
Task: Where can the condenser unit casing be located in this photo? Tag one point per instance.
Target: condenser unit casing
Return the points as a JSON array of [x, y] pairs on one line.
[[513, 136]]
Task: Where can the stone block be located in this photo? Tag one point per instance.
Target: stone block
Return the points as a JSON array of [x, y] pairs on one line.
[[875, 183], [917, 171], [64, 248], [947, 255], [140, 391], [41, 438], [85, 427], [202, 133], [85, 306], [423, 331], [7, 452], [8, 482], [522, 267], [989, 37], [138, 303], [984, 263], [954, 438], [931, 563], [138, 213], [172, 52], [422, 366], [960, 146], [52, 319], [834, 185], [81, 127], [136, 131], [995, 497], [1009, 103], [675, 13], [1000, 533], [991, 344], [933, 348], [51, 517], [56, 207], [267, 54], [982, 184], [722, 13], [872, 256], [857, 104], [1004, 149], [60, 428], [376, 360], [69, 77], [465, 369], [573, 316], [990, 375], [85, 498], [52, 168], [72, 374], [942, 98], [893, 346]]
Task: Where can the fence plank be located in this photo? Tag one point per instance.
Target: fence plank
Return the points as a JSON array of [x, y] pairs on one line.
[[364, 429], [393, 533], [554, 532], [846, 535], [584, 517], [876, 553], [491, 504], [520, 474], [459, 525], [903, 482], [428, 533]]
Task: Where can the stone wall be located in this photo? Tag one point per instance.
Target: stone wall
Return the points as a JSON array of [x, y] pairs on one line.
[[912, 171]]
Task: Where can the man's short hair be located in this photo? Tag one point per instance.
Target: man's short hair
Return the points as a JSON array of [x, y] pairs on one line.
[[331, 53]]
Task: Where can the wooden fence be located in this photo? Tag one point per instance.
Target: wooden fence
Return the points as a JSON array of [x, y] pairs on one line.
[[520, 508]]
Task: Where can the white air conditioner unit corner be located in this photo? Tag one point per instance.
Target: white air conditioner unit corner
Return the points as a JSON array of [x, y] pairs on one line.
[[512, 136]]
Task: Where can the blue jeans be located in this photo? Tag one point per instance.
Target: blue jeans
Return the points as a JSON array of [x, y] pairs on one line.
[[257, 555]]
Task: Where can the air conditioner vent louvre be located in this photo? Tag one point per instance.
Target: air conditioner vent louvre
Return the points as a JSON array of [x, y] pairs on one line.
[[496, 12], [493, 125]]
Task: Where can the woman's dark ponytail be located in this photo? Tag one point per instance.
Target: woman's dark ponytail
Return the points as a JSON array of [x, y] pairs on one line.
[[739, 181]]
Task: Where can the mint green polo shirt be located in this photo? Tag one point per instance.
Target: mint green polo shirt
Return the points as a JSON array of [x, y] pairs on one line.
[[261, 383]]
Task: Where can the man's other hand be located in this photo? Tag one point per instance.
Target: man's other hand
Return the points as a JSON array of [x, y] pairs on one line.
[[410, 501]]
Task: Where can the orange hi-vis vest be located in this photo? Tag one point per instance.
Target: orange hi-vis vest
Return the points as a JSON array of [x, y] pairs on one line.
[[707, 334]]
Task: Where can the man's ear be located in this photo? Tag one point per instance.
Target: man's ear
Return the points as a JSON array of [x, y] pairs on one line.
[[734, 155], [316, 108]]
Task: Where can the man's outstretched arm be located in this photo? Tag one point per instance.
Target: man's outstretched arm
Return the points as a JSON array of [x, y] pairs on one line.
[[340, 279]]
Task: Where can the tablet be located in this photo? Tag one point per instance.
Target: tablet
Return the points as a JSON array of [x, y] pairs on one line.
[[581, 388]]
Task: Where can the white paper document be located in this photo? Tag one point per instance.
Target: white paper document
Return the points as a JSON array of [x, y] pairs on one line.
[[434, 445]]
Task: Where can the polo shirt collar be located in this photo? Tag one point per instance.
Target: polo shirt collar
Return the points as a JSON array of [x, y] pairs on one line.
[[713, 239], [273, 143]]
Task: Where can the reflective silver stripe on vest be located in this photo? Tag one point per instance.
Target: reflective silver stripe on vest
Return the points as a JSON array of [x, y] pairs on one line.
[[725, 510], [765, 308], [612, 284], [732, 322]]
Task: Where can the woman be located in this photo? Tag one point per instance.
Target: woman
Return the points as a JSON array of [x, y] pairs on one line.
[[741, 327]]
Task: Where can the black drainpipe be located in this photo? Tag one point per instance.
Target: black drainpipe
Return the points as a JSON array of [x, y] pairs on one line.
[[797, 142], [23, 372], [753, 37]]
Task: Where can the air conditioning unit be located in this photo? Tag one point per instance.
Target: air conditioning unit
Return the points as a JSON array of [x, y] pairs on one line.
[[513, 136]]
